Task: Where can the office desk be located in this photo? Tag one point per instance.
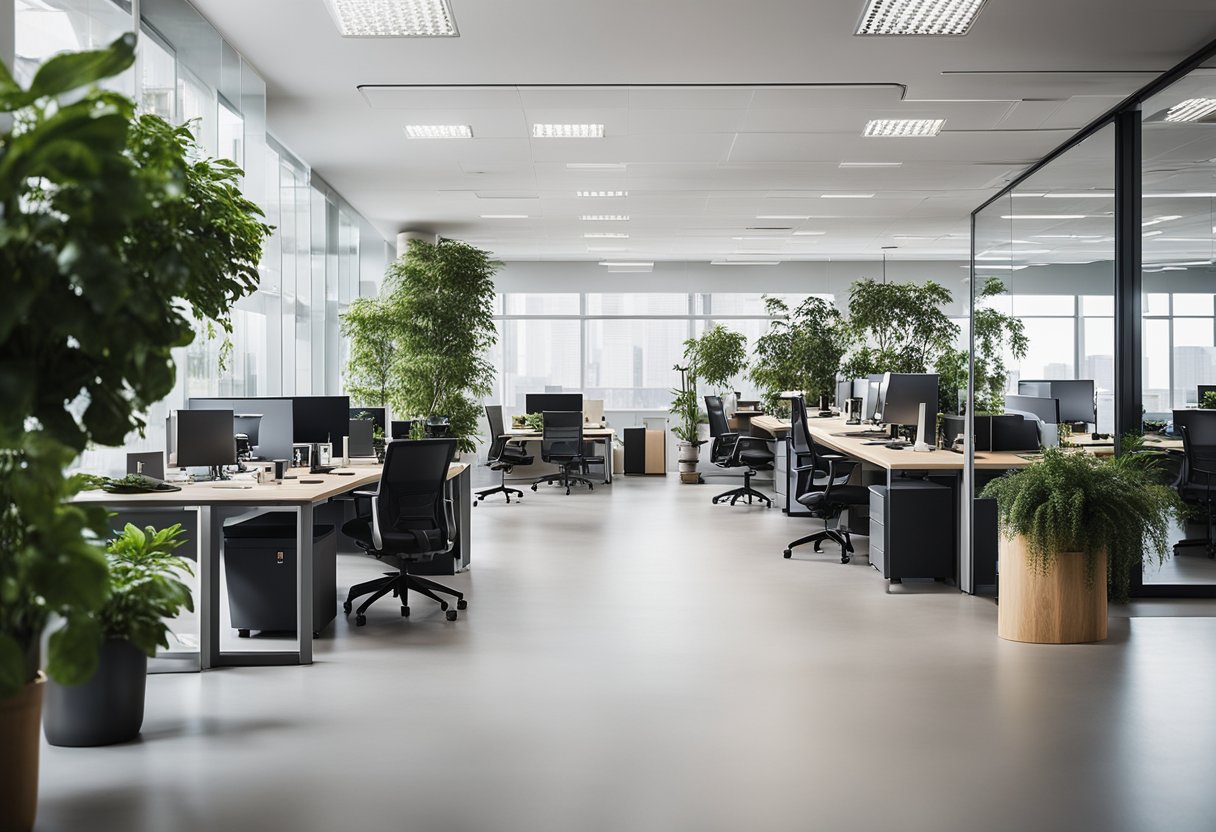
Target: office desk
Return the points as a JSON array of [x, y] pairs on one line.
[[215, 505], [523, 436]]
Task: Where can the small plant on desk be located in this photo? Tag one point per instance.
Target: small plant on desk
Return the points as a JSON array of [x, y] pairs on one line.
[[535, 421]]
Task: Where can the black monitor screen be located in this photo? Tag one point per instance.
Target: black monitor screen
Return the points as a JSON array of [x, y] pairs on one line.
[[320, 418], [902, 396], [272, 436], [249, 424], [540, 402], [401, 429], [1204, 389], [375, 414], [205, 438], [1076, 397]]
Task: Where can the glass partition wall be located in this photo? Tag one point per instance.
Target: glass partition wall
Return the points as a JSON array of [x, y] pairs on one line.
[[1106, 252]]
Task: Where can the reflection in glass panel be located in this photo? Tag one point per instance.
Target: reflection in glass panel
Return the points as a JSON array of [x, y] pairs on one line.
[[45, 28], [537, 354], [630, 362], [231, 135], [637, 304], [157, 77], [542, 304], [1179, 336]]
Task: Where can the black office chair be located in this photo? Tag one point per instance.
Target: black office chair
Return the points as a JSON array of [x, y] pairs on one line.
[[561, 444], [503, 456], [408, 519], [438, 427], [1198, 429], [730, 450], [822, 486]]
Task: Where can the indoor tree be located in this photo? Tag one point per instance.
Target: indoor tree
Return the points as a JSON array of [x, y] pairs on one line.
[[801, 350], [996, 334], [719, 355], [899, 327], [372, 373], [441, 299], [116, 237]]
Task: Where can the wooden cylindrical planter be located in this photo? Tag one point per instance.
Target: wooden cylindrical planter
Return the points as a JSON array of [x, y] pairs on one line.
[[1056, 608], [20, 717]]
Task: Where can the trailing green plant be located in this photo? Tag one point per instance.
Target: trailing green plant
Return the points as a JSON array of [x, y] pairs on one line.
[[899, 327], [1209, 400], [1076, 504], [146, 587], [118, 240], [535, 421], [440, 297], [801, 351], [719, 356], [373, 374]]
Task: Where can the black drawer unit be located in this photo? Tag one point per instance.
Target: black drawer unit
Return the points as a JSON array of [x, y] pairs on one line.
[[912, 530], [260, 570]]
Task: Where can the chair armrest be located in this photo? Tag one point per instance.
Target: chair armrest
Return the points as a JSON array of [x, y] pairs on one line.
[[365, 494]]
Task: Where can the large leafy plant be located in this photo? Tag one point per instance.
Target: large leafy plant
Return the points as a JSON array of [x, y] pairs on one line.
[[117, 239], [440, 299], [719, 356], [1073, 504], [997, 333], [146, 587], [898, 327], [685, 406], [372, 372], [801, 351]]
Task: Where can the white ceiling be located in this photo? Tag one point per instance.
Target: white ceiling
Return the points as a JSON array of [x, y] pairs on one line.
[[701, 162]]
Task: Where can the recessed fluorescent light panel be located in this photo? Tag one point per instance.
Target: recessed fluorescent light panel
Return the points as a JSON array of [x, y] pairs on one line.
[[393, 18], [871, 164], [903, 128], [1193, 109], [504, 216], [604, 218], [918, 17], [602, 194], [567, 131], [782, 217], [605, 235], [595, 166], [438, 131]]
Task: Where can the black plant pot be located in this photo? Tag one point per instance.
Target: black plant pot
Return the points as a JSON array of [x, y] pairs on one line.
[[107, 709]]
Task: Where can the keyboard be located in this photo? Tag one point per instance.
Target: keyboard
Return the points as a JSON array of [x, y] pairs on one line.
[[321, 469]]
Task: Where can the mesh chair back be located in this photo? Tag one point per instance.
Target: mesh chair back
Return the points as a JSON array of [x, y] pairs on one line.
[[410, 512], [717, 416], [497, 441], [562, 440], [804, 449], [1198, 429]]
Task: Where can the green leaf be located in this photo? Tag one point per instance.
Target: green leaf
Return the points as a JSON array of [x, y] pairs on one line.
[[12, 666], [72, 651], [74, 70]]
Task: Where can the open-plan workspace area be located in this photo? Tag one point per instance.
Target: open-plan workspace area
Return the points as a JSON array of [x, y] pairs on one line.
[[455, 414]]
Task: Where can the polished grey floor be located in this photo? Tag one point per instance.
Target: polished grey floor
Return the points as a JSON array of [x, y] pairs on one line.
[[637, 659]]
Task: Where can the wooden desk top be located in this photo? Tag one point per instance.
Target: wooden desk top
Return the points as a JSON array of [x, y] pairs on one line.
[[906, 459], [289, 492], [527, 433]]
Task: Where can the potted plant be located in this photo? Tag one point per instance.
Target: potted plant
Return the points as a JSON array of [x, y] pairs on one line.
[[687, 410], [801, 351], [145, 589], [1073, 529], [118, 241], [439, 300]]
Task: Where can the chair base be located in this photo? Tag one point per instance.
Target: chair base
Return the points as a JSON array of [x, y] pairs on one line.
[[399, 584], [838, 536], [500, 489], [564, 477], [746, 490]]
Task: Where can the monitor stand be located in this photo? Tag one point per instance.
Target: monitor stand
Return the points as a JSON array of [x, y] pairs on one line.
[[217, 473]]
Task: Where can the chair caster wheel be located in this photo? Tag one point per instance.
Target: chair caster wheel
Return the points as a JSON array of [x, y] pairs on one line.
[[451, 615], [360, 620], [443, 605], [533, 486], [462, 604], [405, 612], [346, 607], [844, 558], [316, 633], [818, 548], [590, 487], [787, 554], [242, 634]]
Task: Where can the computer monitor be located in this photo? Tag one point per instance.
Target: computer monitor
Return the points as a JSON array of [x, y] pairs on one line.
[[1076, 397], [869, 412], [205, 439], [359, 443], [1204, 389], [149, 464], [401, 429], [248, 424], [320, 418], [540, 402], [1044, 408], [275, 427], [379, 415], [902, 394], [844, 392]]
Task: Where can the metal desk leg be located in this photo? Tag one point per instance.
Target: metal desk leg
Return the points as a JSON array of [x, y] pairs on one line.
[[210, 536], [304, 555]]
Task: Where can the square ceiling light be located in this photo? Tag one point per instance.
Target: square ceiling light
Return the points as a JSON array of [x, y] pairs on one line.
[[602, 194], [567, 131], [918, 17], [438, 131], [604, 218], [1193, 109], [393, 18], [903, 128]]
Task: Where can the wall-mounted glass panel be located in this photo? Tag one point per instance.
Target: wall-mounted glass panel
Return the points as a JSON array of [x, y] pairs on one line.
[[630, 362], [45, 28], [1179, 205]]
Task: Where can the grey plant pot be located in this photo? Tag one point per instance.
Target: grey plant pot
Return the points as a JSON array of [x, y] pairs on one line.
[[107, 709]]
